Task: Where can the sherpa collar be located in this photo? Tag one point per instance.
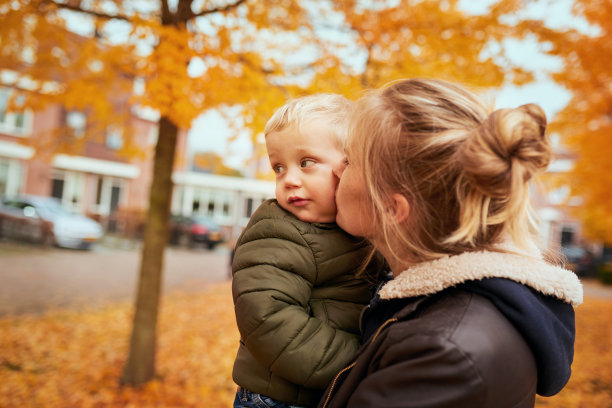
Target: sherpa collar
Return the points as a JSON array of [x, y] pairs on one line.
[[434, 276]]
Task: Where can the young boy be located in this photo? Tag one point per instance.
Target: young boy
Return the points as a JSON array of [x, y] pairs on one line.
[[297, 299]]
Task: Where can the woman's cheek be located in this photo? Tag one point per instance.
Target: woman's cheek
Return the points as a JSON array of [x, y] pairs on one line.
[[346, 204]]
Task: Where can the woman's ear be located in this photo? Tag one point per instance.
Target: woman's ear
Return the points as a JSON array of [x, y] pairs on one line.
[[400, 207]]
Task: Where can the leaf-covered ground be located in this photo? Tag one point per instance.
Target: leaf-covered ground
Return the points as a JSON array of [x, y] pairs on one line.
[[74, 359]]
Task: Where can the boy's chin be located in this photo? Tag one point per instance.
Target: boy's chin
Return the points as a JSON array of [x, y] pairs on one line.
[[310, 218]]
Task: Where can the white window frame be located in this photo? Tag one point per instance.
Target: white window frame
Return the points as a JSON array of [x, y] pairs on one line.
[[77, 121], [74, 188], [14, 176], [8, 123], [114, 138], [108, 182]]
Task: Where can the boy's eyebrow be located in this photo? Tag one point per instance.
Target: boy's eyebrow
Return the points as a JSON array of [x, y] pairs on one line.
[[303, 151], [310, 151]]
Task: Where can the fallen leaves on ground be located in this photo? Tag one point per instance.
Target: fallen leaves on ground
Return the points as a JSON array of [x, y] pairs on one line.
[[591, 382], [74, 359]]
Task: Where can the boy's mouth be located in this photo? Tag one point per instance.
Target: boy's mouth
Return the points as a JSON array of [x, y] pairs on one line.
[[297, 201]]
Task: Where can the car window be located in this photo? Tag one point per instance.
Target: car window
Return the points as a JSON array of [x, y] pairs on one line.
[[51, 208], [17, 205], [204, 221]]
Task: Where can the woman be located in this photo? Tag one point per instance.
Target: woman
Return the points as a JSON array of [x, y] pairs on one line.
[[474, 316]]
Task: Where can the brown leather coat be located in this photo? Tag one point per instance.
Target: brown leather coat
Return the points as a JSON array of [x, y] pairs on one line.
[[475, 330], [451, 351]]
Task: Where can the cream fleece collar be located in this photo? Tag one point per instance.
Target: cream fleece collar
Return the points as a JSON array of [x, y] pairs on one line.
[[529, 269]]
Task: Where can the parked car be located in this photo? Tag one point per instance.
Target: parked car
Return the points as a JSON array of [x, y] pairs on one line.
[[43, 220], [580, 260], [194, 230]]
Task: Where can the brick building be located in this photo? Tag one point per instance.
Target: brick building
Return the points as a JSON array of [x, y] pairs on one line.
[[98, 182]]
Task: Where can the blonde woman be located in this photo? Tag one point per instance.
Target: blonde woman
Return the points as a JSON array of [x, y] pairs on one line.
[[474, 316]]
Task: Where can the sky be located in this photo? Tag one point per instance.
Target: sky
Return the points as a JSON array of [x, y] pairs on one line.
[[543, 91]]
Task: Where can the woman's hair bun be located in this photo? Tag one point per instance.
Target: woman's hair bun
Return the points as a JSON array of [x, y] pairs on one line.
[[506, 150]]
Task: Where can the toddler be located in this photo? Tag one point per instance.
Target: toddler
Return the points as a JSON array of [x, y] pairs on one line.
[[296, 294]]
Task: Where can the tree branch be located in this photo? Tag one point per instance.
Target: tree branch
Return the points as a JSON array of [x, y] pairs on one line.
[[75, 6], [246, 61], [222, 9]]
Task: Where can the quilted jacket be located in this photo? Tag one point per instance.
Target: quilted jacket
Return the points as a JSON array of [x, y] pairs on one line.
[[297, 303]]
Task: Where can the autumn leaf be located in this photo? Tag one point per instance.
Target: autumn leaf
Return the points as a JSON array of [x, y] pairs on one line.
[[71, 359], [74, 359]]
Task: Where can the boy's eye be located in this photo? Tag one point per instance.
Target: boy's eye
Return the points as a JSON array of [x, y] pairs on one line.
[[346, 162], [278, 168], [306, 163]]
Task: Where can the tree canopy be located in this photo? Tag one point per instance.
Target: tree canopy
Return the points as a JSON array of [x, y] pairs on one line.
[[585, 124]]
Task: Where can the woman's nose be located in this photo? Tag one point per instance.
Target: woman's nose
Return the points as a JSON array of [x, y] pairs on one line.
[[339, 169]]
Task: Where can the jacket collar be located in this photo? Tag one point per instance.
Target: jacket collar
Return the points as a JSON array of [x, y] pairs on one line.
[[527, 268]]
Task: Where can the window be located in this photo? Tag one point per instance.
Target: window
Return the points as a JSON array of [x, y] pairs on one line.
[[114, 138], [4, 174], [249, 207], [108, 195], [16, 123], [567, 236], [226, 206], [57, 188], [4, 99], [211, 206], [68, 187], [99, 191], [114, 197], [76, 122]]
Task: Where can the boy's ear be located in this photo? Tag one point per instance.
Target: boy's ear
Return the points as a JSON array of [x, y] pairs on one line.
[[400, 207]]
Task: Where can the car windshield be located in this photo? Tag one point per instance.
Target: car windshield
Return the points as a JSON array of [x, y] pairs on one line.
[[50, 208], [204, 221]]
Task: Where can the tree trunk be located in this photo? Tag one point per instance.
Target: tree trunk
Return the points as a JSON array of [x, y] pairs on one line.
[[140, 365]]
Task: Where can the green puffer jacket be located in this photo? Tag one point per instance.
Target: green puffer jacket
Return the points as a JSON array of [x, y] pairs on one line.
[[297, 304]]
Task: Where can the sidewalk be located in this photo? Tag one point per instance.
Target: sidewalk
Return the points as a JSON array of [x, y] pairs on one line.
[[594, 288], [35, 279]]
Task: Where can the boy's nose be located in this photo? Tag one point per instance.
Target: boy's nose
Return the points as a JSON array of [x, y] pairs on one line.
[[292, 178]]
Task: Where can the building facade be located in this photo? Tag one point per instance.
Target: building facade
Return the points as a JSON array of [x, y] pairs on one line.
[[100, 183]]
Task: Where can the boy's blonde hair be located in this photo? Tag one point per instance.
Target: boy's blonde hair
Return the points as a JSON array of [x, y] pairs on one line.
[[464, 171], [333, 108]]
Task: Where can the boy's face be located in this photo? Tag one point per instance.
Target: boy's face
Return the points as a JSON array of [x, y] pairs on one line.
[[304, 161]]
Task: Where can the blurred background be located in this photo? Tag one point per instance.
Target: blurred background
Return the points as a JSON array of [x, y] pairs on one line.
[[132, 155]]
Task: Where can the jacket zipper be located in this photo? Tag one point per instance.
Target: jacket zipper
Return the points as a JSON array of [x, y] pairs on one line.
[[345, 369]]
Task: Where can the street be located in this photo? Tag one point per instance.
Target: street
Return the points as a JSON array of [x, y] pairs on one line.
[[34, 279]]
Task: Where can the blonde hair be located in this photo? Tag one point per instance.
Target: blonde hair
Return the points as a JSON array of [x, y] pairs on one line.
[[334, 108], [464, 171]]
